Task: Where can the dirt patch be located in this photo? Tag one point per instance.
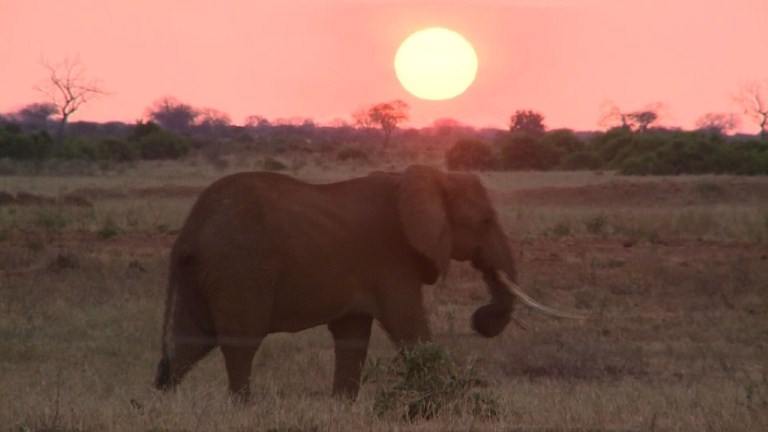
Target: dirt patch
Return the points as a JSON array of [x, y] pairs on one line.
[[626, 193]]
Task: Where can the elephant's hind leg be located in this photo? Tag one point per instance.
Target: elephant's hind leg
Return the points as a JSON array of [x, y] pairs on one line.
[[351, 335], [238, 359]]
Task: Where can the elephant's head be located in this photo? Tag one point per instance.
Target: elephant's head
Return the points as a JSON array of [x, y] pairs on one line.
[[449, 216]]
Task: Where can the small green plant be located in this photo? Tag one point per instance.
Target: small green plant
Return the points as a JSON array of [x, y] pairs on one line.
[[596, 224], [422, 382], [108, 230], [561, 229], [51, 221]]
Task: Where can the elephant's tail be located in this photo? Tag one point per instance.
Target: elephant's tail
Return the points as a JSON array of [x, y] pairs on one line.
[[163, 374]]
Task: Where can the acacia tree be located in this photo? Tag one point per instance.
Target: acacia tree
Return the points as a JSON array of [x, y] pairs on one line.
[[386, 115], [68, 89], [753, 98], [638, 121]]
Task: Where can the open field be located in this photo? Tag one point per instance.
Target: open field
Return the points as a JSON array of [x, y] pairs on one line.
[[675, 270]]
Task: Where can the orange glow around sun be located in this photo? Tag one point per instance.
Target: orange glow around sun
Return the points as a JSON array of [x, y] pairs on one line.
[[436, 64]]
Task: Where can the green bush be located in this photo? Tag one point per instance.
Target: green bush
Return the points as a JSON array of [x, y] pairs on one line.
[[162, 144], [77, 147], [564, 140], [142, 129], [469, 154], [119, 150], [423, 382], [676, 152], [16, 144], [526, 152]]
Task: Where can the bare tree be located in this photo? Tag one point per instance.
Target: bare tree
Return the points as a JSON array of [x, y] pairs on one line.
[[639, 121], [753, 98], [68, 89], [386, 115], [720, 123]]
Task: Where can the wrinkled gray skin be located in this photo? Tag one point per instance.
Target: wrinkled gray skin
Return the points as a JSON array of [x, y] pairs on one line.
[[262, 253]]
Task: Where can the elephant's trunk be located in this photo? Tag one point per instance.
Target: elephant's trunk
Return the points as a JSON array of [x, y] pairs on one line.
[[495, 257], [498, 267]]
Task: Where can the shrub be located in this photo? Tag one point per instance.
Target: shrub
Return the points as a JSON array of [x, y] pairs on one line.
[[423, 382], [76, 147], [564, 140], [581, 160], [470, 154], [162, 144], [119, 150], [18, 145], [142, 129], [521, 151]]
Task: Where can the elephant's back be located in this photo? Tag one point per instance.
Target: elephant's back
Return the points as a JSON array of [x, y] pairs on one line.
[[237, 206]]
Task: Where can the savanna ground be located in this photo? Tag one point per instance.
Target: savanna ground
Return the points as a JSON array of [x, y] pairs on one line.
[[673, 269]]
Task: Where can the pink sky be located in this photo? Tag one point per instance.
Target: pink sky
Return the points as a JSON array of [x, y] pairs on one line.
[[325, 59]]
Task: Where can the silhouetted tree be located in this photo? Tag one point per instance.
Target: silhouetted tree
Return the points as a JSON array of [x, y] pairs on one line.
[[386, 115], [637, 121], [254, 121], [720, 123], [35, 115], [68, 89], [753, 98], [212, 122], [173, 115], [527, 121]]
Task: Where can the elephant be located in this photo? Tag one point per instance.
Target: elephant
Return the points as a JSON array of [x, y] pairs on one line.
[[263, 252]]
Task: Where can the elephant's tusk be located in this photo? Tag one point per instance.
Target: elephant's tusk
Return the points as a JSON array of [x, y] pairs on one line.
[[533, 303]]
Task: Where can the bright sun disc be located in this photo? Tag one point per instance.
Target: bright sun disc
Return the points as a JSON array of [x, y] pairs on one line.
[[436, 64]]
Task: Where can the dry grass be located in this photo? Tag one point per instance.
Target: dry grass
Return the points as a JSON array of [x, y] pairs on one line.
[[679, 290]]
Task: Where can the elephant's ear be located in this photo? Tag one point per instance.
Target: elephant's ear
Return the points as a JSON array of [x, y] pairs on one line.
[[421, 205]]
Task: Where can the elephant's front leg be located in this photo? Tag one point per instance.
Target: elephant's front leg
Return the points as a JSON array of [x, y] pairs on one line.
[[402, 314], [351, 335]]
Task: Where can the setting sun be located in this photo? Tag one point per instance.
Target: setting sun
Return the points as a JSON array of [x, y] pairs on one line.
[[436, 64]]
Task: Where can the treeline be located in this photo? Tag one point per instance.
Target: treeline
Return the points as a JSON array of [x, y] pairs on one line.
[[526, 146], [653, 152], [113, 141]]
